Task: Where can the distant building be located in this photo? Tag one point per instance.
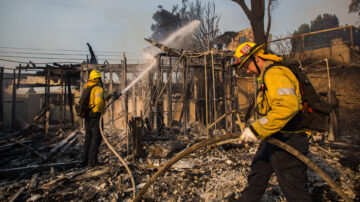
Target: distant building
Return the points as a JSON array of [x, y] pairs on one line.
[[241, 37], [231, 40]]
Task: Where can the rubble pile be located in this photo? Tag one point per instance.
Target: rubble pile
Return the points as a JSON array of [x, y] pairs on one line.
[[210, 174]]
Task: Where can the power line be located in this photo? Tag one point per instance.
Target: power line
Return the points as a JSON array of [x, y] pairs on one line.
[[88, 7], [55, 58], [60, 62], [66, 50], [3, 58], [46, 58], [61, 30], [37, 53], [22, 62]]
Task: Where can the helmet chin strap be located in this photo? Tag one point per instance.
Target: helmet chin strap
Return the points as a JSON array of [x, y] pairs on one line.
[[256, 65]]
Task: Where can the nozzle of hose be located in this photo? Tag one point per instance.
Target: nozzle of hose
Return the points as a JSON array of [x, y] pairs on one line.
[[113, 95]]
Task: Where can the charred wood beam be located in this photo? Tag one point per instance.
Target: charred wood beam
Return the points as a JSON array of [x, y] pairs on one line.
[[11, 172], [74, 66], [91, 174], [62, 144], [34, 85], [112, 106], [343, 145], [61, 179], [51, 153], [30, 148], [61, 114], [13, 107], [17, 194], [69, 144], [167, 50], [1, 97], [73, 176], [33, 181], [93, 59], [19, 76], [126, 103], [70, 99], [137, 134], [47, 101], [11, 145]]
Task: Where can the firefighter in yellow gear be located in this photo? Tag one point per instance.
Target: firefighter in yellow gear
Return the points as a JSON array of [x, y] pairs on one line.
[[97, 100], [95, 106], [279, 106]]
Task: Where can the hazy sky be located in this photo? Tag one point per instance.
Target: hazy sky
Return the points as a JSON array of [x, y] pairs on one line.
[[116, 26]]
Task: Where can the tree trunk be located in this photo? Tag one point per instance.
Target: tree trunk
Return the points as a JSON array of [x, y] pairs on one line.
[[258, 30], [256, 18]]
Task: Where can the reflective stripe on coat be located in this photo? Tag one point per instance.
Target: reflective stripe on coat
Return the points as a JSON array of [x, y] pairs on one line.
[[96, 100]]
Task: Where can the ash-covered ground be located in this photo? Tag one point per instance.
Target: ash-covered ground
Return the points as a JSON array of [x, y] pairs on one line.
[[217, 174]]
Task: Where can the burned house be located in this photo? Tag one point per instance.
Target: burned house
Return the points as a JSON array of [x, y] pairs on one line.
[[183, 100]]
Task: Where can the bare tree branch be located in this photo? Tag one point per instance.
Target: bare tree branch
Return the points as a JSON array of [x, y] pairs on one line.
[[269, 20], [208, 30], [244, 7]]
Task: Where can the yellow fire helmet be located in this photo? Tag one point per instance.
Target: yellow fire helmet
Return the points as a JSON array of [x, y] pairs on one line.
[[94, 74], [244, 51]]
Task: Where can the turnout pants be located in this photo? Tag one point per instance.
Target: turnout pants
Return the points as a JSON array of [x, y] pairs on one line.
[[92, 140], [290, 171]]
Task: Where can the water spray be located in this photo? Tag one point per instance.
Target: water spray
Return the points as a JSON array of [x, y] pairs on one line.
[[176, 36], [174, 39]]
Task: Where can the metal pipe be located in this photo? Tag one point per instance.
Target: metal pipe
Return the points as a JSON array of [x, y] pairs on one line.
[[214, 90], [310, 33], [328, 72]]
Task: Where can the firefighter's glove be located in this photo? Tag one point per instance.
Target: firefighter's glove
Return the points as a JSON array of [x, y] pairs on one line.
[[247, 136], [116, 95], [113, 95], [108, 97]]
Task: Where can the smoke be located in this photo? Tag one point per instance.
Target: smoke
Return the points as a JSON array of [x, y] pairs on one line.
[[177, 38], [173, 40]]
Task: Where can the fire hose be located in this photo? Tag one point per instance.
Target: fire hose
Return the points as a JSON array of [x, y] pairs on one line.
[[233, 137], [218, 140], [112, 148]]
